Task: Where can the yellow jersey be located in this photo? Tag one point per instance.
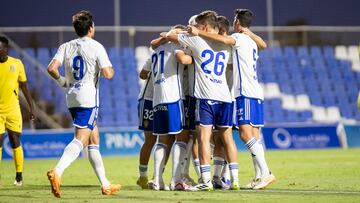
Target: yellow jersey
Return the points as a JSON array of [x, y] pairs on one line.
[[11, 73]]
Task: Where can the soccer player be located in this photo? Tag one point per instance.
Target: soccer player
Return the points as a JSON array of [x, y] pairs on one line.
[[214, 107], [12, 76], [145, 114], [247, 90], [85, 60], [168, 111]]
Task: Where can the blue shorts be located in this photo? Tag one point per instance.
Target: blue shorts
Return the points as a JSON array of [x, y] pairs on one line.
[[189, 105], [84, 117], [249, 111], [214, 113], [145, 115], [168, 118]]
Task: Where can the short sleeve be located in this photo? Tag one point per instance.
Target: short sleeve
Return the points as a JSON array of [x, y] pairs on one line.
[[60, 54], [184, 40], [22, 74], [147, 65], [102, 57], [238, 39]]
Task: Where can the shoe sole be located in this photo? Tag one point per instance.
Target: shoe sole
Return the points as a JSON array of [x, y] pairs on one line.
[[266, 186], [112, 191], [54, 189]]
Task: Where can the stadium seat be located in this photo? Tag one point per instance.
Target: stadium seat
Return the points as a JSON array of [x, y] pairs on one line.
[[319, 114], [302, 102], [333, 114], [341, 52], [315, 52]]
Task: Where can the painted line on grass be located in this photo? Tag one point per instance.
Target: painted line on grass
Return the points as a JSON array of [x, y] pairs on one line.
[[330, 192]]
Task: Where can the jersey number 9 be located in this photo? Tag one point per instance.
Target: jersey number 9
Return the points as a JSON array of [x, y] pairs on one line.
[[78, 67]]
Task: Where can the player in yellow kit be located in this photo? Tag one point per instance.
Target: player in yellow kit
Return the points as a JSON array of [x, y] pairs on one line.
[[12, 76]]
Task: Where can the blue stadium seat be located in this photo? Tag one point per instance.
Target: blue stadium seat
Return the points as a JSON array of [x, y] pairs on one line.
[[289, 52], [329, 52], [315, 52], [303, 52]]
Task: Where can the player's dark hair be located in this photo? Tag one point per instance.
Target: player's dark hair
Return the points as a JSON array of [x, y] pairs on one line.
[[207, 16], [244, 16], [4, 40], [179, 26], [82, 21], [223, 24]]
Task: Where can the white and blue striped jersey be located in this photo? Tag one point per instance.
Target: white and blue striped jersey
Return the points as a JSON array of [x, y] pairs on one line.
[[211, 61], [167, 74], [147, 88], [83, 58], [245, 55], [188, 79]]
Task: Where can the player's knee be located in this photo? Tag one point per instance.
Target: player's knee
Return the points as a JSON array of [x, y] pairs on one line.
[[14, 140]]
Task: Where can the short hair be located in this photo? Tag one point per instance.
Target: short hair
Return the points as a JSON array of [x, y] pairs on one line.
[[82, 21], [4, 40], [244, 16], [223, 24], [179, 26], [207, 16]]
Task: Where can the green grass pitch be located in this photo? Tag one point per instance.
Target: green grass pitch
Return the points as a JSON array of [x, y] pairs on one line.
[[303, 176]]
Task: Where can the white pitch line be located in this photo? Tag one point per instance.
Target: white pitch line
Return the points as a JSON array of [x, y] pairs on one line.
[[307, 191]]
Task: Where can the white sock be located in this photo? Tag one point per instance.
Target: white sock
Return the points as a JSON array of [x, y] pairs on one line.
[[257, 152], [218, 166], [197, 167], [205, 173], [159, 161], [143, 170], [97, 164], [256, 168], [178, 154], [234, 171], [187, 158], [226, 171], [71, 152]]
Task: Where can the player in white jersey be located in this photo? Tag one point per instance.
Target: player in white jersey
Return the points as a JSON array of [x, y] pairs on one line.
[[85, 60], [214, 107], [145, 115], [248, 92], [168, 111]]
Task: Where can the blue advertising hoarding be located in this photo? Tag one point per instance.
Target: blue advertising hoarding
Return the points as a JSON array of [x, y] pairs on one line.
[[40, 144], [352, 135], [301, 137], [115, 141]]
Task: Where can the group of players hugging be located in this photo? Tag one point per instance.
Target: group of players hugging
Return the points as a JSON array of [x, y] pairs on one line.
[[200, 84]]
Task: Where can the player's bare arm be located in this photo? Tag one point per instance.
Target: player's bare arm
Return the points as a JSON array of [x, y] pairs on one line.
[[107, 72], [24, 88], [212, 36], [158, 41], [53, 70], [144, 74], [258, 40], [183, 58]]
